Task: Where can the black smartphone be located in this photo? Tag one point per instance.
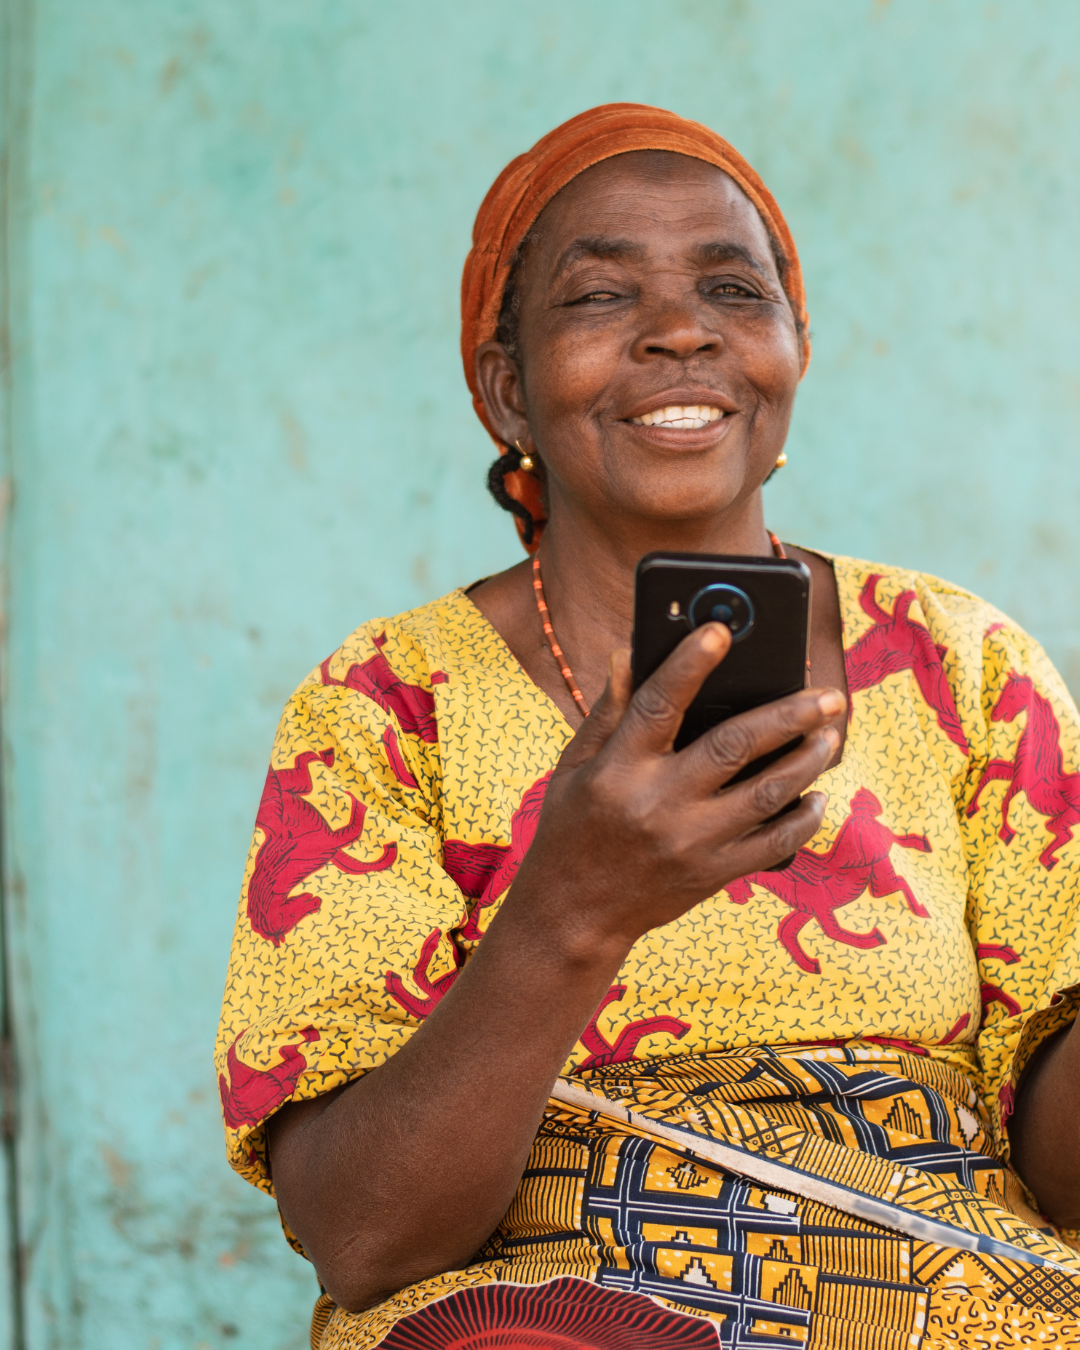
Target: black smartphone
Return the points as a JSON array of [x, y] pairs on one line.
[[766, 604]]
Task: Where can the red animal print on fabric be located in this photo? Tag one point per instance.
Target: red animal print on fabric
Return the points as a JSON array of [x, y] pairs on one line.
[[485, 871], [298, 842], [394, 758], [1037, 768], [897, 643], [413, 706], [472, 865], [603, 1052], [992, 951], [817, 884], [908, 1047], [250, 1095], [957, 1027], [990, 993], [431, 990]]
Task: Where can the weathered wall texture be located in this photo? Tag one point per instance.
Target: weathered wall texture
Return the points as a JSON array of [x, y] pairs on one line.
[[236, 427]]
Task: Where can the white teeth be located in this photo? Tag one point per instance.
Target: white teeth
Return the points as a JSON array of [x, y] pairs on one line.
[[677, 415]]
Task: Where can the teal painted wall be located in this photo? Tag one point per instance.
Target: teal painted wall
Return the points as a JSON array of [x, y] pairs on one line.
[[236, 426]]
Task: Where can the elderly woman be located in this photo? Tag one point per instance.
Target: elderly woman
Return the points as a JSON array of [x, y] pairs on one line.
[[521, 1030]]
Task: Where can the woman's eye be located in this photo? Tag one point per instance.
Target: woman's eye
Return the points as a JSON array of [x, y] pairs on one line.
[[731, 288], [594, 295]]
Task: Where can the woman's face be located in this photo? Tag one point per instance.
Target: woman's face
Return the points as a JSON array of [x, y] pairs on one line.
[[658, 356]]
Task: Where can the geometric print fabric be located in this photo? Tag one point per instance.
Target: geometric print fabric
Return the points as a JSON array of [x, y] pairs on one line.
[[768, 1269]]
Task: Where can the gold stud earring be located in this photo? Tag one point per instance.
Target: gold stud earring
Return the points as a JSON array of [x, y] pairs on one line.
[[781, 459], [526, 461]]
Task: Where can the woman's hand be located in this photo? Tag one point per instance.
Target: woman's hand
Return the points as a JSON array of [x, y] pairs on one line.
[[405, 1172], [632, 835]]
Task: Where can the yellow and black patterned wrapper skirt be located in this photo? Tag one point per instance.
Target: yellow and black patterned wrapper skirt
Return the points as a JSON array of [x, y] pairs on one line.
[[624, 1236]]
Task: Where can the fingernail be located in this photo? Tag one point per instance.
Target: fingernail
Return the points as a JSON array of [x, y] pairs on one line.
[[831, 702], [832, 736], [711, 639]]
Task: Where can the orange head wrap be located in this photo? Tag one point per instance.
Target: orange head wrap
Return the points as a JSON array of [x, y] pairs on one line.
[[529, 182]]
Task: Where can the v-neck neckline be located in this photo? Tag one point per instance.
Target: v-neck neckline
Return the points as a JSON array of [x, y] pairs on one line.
[[505, 660], [497, 653]]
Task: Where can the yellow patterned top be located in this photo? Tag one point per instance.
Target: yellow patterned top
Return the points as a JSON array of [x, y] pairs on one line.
[[934, 912]]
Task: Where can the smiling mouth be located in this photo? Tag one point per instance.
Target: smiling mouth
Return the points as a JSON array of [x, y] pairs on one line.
[[679, 415]]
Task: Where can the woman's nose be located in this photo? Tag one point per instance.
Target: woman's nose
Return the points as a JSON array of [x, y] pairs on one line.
[[679, 330]]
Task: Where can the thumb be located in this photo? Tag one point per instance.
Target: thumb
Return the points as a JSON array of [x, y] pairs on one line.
[[595, 732]]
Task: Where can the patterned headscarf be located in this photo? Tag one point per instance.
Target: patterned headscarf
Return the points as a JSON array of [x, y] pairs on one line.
[[529, 182]]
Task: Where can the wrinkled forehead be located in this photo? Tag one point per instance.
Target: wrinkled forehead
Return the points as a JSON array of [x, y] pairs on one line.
[[649, 202]]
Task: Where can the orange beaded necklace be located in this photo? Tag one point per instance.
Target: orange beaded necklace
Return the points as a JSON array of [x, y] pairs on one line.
[[549, 632]]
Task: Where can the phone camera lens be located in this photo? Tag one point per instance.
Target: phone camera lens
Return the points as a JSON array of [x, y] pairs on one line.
[[723, 604]]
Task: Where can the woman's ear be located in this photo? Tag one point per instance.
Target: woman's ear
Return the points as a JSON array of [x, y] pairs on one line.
[[500, 385]]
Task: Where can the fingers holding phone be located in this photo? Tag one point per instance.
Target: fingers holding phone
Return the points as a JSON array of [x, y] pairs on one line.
[[635, 831]]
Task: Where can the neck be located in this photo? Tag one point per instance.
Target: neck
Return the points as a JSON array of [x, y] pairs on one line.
[[588, 574]]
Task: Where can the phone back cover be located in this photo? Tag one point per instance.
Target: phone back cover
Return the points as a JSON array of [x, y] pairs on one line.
[[767, 664]]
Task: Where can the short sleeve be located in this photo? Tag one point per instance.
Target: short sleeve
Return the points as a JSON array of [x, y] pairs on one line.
[[1020, 817], [344, 934]]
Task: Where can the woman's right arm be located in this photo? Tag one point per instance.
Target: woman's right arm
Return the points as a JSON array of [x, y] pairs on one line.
[[405, 1172]]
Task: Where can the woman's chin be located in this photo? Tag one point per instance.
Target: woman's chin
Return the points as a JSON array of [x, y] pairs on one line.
[[692, 509], [701, 491]]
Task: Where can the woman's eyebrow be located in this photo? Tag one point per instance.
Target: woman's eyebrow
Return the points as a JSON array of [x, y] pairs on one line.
[[599, 246], [711, 254]]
